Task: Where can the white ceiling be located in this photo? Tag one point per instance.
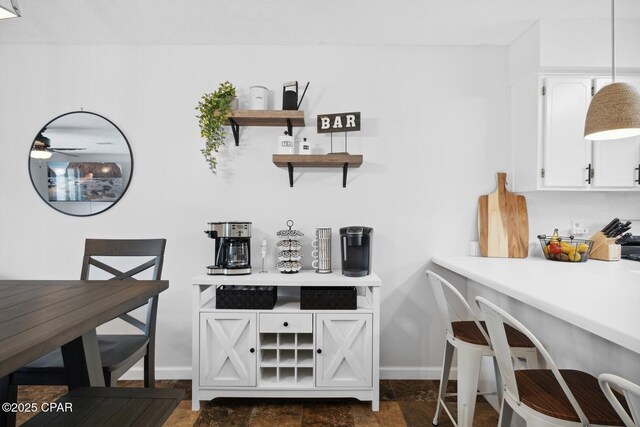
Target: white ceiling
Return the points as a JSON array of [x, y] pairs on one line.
[[88, 131], [292, 22]]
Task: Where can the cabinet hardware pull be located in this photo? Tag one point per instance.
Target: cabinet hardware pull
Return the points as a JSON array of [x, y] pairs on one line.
[[589, 174], [638, 169], [252, 350], [319, 350], [286, 324]]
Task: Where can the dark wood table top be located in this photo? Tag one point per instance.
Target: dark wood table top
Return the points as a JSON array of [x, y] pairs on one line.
[[38, 316]]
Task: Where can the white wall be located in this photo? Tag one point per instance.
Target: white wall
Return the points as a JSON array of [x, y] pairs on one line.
[[435, 131]]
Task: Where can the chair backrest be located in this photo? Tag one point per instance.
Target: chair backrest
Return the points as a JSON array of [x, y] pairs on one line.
[[631, 393], [496, 319], [153, 248], [439, 286]]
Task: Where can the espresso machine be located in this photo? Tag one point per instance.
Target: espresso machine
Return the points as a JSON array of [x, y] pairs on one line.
[[232, 248], [355, 247]]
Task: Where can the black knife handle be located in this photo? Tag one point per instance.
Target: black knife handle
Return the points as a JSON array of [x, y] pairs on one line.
[[609, 226]]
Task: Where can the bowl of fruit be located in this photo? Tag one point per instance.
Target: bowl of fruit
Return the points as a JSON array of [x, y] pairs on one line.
[[567, 249]]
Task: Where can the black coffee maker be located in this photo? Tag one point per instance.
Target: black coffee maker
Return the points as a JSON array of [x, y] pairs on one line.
[[355, 246], [233, 248]]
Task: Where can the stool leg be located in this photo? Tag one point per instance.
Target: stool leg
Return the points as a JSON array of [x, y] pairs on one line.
[[499, 385], [469, 360], [506, 412], [444, 378]]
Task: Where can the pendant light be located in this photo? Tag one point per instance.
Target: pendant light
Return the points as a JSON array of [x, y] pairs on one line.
[[6, 13], [614, 111]]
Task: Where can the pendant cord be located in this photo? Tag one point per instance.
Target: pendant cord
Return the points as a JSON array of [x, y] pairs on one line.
[[613, 42]]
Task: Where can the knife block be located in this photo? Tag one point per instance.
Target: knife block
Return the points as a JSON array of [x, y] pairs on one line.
[[605, 248]]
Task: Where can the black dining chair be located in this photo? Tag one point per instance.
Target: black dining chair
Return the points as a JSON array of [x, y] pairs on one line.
[[118, 352]]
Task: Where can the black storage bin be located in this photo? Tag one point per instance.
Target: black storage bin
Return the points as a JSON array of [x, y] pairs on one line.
[[328, 298], [246, 297]]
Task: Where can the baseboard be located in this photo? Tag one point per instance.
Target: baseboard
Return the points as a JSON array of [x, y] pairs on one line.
[[386, 373], [413, 373], [168, 373]]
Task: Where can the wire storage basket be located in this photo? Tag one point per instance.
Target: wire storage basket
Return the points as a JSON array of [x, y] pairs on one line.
[[566, 249]]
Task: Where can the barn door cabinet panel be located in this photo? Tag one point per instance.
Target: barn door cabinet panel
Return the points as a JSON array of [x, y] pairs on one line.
[[549, 149], [344, 350], [227, 349], [286, 352]]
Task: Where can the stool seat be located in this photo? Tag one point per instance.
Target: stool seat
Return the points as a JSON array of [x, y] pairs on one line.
[[540, 390], [467, 331]]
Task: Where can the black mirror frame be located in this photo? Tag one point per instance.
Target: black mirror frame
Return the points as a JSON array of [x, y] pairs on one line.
[[130, 156]]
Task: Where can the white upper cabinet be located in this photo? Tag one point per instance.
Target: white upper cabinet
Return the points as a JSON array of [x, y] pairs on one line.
[[616, 162], [549, 149], [566, 153]]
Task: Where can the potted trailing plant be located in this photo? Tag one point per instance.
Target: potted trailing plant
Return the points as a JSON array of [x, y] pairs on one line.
[[214, 109]]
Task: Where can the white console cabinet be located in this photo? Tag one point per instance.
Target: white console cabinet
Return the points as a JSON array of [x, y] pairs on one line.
[[286, 352]]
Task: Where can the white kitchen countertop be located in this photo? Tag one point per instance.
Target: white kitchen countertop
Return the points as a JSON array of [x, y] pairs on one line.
[[303, 278], [597, 296]]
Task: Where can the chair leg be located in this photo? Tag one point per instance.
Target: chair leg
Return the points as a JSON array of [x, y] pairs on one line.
[[499, 385], [444, 378], [110, 380], [469, 361], [506, 413], [149, 371]]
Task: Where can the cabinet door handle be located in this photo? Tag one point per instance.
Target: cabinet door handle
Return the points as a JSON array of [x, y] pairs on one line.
[[286, 324], [638, 169], [252, 350], [319, 351], [589, 174]]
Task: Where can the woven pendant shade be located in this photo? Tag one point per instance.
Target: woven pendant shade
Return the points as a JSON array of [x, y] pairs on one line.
[[614, 113]]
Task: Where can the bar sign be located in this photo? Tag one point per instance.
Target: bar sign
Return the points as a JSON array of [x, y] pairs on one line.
[[338, 122]]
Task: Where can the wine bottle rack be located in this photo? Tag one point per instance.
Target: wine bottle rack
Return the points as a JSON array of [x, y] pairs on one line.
[[286, 360]]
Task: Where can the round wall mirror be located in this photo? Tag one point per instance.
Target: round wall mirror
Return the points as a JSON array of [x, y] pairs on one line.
[[80, 163]]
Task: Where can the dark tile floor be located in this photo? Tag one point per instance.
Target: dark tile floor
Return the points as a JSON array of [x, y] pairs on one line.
[[409, 403]]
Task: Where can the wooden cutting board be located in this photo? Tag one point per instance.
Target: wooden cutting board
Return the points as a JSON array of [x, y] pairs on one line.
[[503, 223]]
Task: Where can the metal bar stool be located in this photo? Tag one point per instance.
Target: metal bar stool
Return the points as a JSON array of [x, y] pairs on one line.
[[471, 340], [544, 397], [631, 393]]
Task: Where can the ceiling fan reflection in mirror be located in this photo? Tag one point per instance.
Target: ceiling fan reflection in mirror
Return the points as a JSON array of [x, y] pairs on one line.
[[41, 148]]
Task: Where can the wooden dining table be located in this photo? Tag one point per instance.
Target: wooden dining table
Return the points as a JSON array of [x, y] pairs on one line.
[[38, 316]]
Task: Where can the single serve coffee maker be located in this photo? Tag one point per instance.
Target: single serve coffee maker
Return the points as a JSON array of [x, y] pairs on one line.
[[355, 247], [232, 248]]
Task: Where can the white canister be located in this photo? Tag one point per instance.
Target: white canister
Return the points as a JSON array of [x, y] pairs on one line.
[[258, 98], [305, 147], [286, 144]]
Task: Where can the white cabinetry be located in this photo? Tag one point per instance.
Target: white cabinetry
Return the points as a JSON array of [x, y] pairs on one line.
[[616, 162], [228, 349], [549, 150], [286, 352], [566, 153], [344, 350]]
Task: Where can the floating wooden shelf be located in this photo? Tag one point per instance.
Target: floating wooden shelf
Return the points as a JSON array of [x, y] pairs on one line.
[[342, 160], [288, 118]]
